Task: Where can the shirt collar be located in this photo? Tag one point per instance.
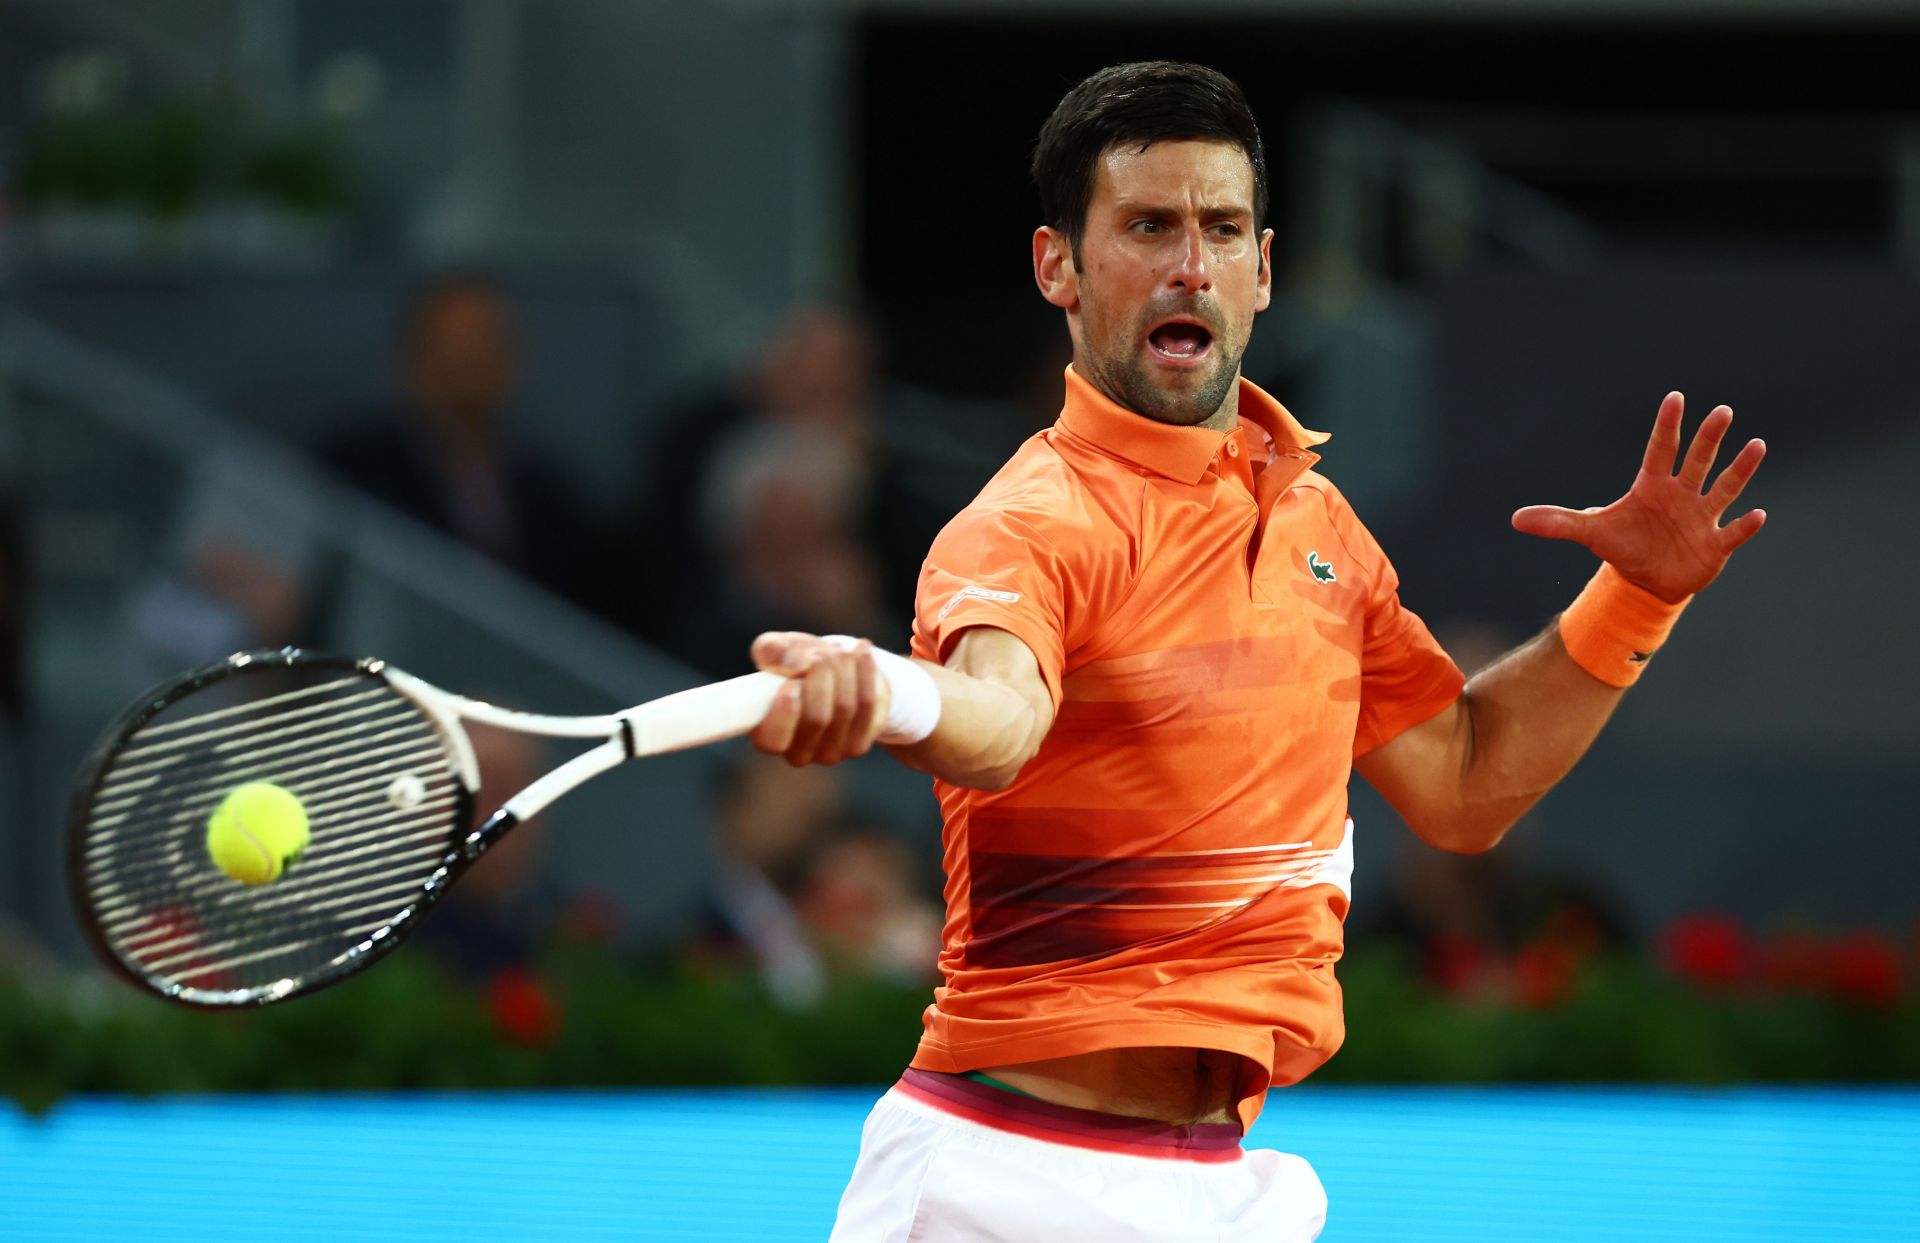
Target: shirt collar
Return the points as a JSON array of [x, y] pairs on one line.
[[1179, 453]]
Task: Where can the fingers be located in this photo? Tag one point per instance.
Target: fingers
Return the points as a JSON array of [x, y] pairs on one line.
[[1553, 522], [1705, 447], [1664, 445], [867, 708], [1741, 529], [827, 711], [786, 652], [817, 700], [1733, 480], [774, 734]]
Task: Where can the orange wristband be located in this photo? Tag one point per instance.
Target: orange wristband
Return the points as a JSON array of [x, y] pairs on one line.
[[1613, 627]]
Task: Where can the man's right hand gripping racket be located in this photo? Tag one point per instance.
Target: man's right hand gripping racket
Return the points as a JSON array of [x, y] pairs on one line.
[[380, 770]]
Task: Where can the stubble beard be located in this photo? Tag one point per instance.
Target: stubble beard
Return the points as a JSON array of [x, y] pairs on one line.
[[1124, 378]]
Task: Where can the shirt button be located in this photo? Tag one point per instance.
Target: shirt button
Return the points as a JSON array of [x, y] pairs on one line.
[[1233, 448]]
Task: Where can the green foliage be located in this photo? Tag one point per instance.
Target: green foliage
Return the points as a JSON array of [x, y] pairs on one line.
[[302, 171], [1620, 1022], [406, 1024], [156, 162], [164, 161]]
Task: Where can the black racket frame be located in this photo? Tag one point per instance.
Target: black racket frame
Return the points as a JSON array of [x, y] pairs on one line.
[[93, 774]]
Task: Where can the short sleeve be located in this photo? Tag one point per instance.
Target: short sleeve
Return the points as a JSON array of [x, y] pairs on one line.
[[994, 567], [1405, 676]]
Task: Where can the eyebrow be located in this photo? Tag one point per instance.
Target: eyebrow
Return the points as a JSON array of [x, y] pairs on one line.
[[1160, 211]]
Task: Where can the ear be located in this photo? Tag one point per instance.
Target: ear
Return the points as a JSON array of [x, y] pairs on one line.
[[1263, 293], [1053, 268]]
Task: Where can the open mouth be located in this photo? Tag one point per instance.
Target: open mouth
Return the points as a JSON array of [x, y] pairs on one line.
[[1181, 341]]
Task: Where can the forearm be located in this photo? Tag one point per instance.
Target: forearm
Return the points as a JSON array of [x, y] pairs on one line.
[[1525, 721], [1463, 779], [987, 732]]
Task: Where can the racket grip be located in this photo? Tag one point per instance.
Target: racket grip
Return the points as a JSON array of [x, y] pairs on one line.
[[704, 714]]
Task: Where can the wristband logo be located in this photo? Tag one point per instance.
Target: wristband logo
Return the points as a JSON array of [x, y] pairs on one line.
[[973, 591], [1322, 570]]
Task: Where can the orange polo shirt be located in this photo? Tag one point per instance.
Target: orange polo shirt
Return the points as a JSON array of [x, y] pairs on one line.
[[1221, 636]]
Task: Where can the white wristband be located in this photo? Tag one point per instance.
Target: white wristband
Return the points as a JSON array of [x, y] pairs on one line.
[[913, 703]]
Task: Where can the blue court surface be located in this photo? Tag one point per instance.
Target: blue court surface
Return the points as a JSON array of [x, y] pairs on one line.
[[1446, 1164]]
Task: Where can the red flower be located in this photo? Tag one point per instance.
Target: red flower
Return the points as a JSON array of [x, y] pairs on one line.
[[1709, 951], [1454, 960], [522, 1009], [1544, 973], [1864, 967]]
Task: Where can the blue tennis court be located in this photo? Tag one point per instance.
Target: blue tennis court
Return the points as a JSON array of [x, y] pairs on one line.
[[1446, 1164]]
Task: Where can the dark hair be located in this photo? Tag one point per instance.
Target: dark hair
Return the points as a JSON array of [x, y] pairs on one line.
[[1141, 103]]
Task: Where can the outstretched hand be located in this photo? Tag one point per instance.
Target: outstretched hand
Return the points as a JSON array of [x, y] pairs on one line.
[[1665, 535]]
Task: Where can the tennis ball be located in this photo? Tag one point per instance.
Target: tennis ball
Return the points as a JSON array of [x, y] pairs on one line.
[[257, 832]]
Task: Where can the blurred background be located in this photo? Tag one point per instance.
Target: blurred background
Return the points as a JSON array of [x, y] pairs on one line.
[[552, 351]]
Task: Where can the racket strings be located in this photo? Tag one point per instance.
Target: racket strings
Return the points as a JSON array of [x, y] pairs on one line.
[[199, 720], [342, 852], [137, 759], [379, 862], [336, 757], [250, 736], [217, 765], [382, 800]]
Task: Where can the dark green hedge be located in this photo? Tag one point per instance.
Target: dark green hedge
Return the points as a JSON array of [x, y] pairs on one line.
[[586, 1020]]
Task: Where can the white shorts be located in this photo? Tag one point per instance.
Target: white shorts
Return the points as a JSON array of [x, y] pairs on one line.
[[945, 1159]]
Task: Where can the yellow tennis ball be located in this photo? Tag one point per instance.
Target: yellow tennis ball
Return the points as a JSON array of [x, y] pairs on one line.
[[257, 832]]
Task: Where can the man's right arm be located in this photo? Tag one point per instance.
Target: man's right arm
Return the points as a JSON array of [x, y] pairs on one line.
[[994, 706]]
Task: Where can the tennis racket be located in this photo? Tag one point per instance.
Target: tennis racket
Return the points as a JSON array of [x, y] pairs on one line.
[[385, 771]]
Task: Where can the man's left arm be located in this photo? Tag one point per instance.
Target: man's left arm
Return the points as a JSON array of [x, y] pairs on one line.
[[1464, 777]]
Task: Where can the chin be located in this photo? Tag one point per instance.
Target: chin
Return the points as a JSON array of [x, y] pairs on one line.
[[1187, 398]]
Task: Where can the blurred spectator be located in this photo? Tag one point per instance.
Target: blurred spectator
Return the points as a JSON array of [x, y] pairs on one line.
[[778, 505], [235, 574], [442, 452], [767, 825], [801, 890], [864, 909]]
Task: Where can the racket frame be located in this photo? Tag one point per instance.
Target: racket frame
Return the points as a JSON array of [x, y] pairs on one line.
[[674, 722]]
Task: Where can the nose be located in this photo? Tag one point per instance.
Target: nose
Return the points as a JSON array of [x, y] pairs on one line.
[[1189, 272]]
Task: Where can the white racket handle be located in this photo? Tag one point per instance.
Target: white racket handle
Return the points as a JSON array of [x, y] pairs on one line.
[[731, 708], [704, 714], [690, 718]]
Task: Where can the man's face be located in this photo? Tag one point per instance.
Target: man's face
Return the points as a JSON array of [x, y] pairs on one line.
[[1169, 277], [463, 362]]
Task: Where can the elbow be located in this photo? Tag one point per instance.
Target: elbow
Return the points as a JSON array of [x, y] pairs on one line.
[[997, 777], [1473, 843], [995, 780], [1463, 835], [1019, 738], [988, 771]]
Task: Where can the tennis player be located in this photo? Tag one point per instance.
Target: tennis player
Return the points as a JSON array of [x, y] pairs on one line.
[[1145, 661]]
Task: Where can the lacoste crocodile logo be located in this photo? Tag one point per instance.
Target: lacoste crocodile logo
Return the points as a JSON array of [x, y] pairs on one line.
[[1322, 570]]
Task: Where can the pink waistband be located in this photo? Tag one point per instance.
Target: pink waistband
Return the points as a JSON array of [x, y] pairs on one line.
[[1062, 1124]]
